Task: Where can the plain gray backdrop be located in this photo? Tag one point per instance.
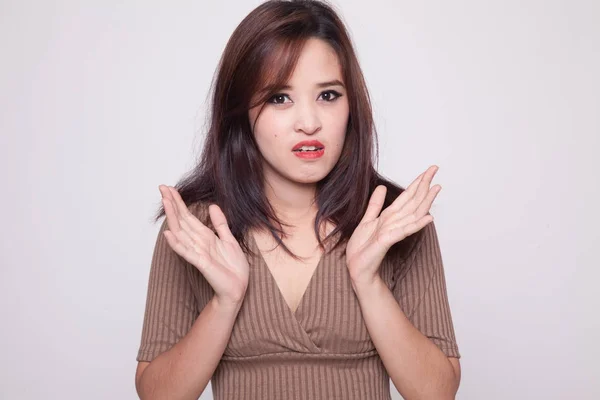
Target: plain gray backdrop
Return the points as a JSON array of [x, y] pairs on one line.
[[101, 101]]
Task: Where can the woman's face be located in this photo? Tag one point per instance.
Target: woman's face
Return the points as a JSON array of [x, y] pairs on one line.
[[313, 108]]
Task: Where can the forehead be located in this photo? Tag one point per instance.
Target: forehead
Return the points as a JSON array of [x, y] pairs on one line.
[[318, 62]]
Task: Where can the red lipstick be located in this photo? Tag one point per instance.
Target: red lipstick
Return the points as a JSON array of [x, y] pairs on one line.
[[313, 149]]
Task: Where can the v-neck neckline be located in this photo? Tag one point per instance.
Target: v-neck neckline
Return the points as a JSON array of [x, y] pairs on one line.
[[271, 277]]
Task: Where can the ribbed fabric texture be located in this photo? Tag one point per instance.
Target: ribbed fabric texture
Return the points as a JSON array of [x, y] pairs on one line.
[[320, 351]]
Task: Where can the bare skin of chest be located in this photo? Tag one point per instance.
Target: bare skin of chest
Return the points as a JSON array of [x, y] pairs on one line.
[[292, 276]]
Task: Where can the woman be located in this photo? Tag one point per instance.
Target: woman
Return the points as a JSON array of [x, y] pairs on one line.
[[290, 268]]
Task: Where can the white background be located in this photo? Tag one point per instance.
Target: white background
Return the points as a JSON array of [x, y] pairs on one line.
[[102, 101]]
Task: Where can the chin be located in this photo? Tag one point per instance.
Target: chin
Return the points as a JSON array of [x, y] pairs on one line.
[[308, 180], [306, 177]]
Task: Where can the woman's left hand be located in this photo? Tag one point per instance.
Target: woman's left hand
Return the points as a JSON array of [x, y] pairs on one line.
[[376, 233]]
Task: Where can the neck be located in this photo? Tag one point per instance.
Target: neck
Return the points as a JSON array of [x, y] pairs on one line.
[[294, 203]]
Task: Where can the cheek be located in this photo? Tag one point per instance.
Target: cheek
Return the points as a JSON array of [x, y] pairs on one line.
[[269, 130], [339, 127], [268, 138]]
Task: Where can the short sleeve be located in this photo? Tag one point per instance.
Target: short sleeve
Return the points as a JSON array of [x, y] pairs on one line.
[[176, 294], [420, 289]]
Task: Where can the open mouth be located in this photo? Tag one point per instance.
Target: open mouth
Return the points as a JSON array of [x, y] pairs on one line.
[[306, 149], [309, 154], [309, 149]]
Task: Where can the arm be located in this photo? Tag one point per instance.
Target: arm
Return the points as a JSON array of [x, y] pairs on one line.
[[186, 325], [184, 371], [417, 367], [411, 325]]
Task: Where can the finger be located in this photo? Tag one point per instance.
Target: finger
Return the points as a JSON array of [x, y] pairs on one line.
[[417, 225], [405, 196], [375, 204], [408, 226], [419, 209], [166, 194], [407, 205], [425, 183], [169, 207], [219, 221], [195, 255], [175, 228], [188, 221], [176, 225], [182, 209], [425, 205]]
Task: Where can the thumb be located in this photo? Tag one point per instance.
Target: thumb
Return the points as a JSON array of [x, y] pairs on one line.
[[375, 204]]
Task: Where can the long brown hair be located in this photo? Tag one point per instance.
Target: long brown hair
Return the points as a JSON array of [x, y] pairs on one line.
[[258, 59]]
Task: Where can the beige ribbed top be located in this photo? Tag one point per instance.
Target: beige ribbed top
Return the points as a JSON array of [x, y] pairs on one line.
[[320, 351]]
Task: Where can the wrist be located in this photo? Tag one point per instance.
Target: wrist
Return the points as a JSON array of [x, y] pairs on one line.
[[226, 305], [367, 284]]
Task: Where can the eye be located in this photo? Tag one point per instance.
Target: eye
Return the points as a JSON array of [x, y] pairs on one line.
[[279, 98], [329, 93]]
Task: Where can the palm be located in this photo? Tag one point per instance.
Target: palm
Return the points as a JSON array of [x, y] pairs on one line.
[[223, 263], [361, 242], [379, 230], [220, 258]]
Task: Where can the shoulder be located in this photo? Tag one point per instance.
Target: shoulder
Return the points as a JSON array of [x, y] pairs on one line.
[[425, 241]]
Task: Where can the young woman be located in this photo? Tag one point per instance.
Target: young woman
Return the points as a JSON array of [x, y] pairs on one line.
[[287, 267]]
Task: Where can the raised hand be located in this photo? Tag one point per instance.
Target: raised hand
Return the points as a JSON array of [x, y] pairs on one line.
[[219, 258], [376, 232]]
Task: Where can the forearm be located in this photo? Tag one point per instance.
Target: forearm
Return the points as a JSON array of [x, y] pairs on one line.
[[417, 367], [184, 371]]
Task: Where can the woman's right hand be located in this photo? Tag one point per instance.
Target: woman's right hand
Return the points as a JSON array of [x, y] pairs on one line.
[[220, 259]]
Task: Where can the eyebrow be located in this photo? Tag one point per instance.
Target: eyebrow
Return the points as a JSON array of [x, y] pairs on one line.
[[335, 82]]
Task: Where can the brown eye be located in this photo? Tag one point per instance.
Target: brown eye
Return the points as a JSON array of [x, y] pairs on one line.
[[327, 95], [275, 99]]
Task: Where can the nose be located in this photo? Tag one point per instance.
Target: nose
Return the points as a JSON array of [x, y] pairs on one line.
[[307, 119]]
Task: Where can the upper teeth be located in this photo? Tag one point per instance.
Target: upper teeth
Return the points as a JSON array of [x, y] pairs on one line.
[[308, 148]]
